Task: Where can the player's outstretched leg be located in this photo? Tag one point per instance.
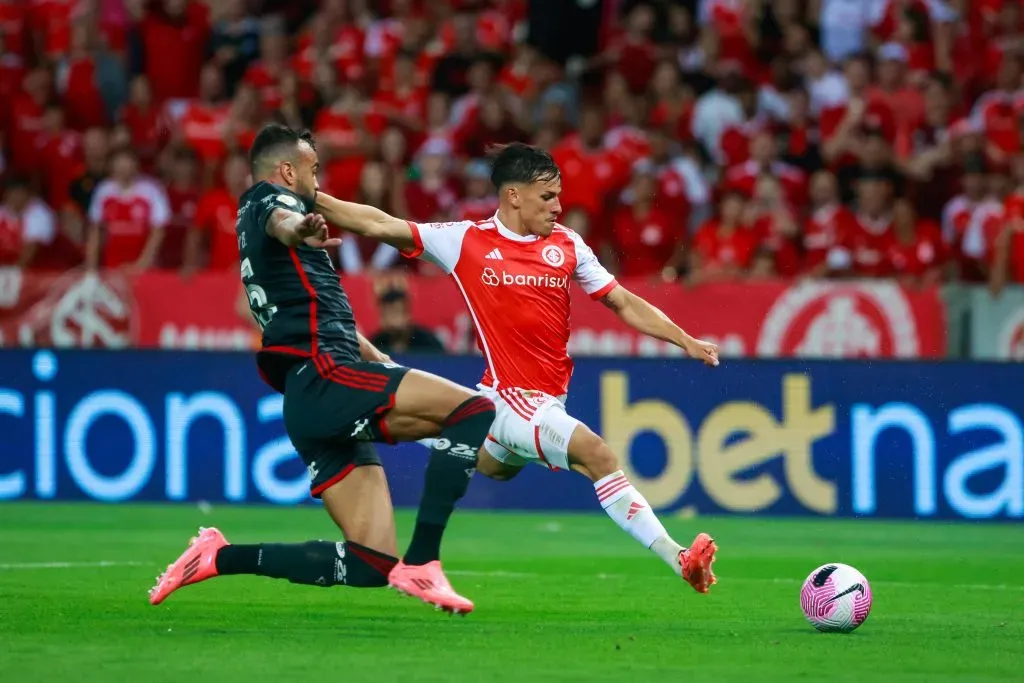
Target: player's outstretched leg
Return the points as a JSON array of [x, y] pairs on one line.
[[427, 404], [591, 456], [360, 505]]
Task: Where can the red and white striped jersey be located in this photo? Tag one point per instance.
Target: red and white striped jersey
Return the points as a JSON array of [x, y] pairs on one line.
[[517, 291]]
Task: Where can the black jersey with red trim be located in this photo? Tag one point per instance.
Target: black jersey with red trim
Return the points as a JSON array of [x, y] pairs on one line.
[[294, 293]]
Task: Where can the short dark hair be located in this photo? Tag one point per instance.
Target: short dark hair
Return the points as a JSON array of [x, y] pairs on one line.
[[273, 139], [521, 163]]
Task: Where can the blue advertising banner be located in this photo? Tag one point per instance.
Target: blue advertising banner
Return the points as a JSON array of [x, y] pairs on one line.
[[876, 439]]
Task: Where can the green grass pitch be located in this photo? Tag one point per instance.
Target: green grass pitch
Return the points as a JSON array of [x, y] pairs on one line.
[[559, 598]]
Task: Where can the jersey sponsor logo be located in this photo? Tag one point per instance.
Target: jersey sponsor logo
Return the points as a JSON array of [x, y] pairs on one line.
[[313, 470], [495, 255], [553, 256], [442, 444], [826, 319], [287, 200], [492, 279]]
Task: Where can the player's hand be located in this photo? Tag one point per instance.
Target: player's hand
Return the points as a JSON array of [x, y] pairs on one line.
[[702, 351], [313, 231]]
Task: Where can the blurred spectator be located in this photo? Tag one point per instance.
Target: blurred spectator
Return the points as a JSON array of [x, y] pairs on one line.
[[212, 242], [647, 241], [958, 213], [774, 223], [184, 187], [864, 249], [265, 74], [431, 195], [173, 37], [127, 217], [826, 228], [1008, 248], [398, 333], [590, 172], [234, 41], [359, 254], [683, 191], [481, 201], [846, 24], [200, 121], [764, 160], [724, 247], [61, 149], [26, 122], [451, 75], [298, 107], [146, 121], [90, 81], [917, 255], [26, 225]]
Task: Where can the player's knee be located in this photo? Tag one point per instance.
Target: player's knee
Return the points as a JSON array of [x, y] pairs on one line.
[[594, 459], [498, 471]]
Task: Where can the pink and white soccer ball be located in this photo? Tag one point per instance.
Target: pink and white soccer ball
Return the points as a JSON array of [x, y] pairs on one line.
[[836, 598]]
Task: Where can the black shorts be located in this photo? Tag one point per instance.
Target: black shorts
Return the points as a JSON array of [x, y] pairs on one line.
[[334, 411]]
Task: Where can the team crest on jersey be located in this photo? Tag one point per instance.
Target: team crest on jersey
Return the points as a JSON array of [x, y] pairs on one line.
[[553, 255], [287, 200]]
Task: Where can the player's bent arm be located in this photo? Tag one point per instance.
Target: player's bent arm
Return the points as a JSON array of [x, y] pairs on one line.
[[284, 226], [648, 319], [644, 317], [367, 221]]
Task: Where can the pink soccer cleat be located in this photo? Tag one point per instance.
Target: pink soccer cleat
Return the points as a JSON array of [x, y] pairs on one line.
[[428, 583], [696, 562], [196, 564]]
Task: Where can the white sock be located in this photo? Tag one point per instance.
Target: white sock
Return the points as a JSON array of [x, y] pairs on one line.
[[633, 514]]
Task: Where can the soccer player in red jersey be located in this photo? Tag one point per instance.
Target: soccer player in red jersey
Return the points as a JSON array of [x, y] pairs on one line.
[[514, 271]]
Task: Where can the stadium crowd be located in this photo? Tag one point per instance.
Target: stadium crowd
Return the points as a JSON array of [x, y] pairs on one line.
[[702, 139]]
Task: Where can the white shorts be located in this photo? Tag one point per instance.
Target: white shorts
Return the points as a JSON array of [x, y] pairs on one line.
[[529, 426]]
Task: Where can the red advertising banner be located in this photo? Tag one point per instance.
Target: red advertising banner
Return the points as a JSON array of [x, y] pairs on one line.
[[863, 319]]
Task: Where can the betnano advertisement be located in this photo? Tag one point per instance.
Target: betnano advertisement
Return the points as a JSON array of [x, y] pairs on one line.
[[870, 439]]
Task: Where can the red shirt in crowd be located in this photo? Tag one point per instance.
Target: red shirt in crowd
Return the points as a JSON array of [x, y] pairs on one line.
[[919, 255], [868, 243], [589, 176], [202, 127], [743, 178], [646, 242], [783, 248], [174, 51], [26, 127], [215, 216], [722, 248], [82, 100], [35, 225], [127, 215], [341, 174], [825, 229]]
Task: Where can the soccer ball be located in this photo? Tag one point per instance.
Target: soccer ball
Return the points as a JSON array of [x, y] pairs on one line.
[[836, 598]]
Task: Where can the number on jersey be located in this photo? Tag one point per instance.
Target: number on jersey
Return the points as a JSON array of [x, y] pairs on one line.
[[262, 310]]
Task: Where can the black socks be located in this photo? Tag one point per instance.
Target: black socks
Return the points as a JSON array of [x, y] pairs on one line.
[[314, 563], [452, 463]]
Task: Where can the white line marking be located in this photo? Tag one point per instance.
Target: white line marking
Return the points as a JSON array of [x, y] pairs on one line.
[[101, 564]]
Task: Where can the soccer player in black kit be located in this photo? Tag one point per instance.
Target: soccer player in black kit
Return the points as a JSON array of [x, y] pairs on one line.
[[340, 394]]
